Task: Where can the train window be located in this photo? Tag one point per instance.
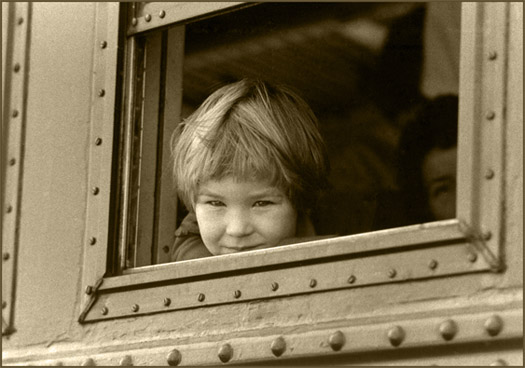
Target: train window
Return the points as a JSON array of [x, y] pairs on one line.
[[367, 70], [364, 64]]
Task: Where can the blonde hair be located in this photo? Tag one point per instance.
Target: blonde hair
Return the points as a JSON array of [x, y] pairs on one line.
[[251, 130]]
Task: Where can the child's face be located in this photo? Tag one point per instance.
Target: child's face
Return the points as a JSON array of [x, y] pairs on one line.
[[236, 216]]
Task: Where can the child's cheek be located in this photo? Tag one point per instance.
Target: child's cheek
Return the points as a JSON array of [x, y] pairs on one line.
[[208, 228]]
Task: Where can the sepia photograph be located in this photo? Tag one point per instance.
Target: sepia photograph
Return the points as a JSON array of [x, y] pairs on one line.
[[262, 183]]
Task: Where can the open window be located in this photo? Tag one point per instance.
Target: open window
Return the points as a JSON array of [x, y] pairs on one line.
[[358, 65]]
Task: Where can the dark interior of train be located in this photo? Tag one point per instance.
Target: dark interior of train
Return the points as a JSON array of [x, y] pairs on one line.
[[358, 65]]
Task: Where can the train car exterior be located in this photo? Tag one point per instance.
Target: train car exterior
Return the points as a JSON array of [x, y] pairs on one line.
[[442, 293]]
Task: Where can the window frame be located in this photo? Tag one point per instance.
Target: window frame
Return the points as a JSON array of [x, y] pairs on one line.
[[15, 52], [479, 208]]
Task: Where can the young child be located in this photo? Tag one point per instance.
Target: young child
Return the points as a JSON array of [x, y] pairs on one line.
[[250, 165]]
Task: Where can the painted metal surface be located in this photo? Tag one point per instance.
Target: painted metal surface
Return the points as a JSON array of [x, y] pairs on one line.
[[14, 69], [358, 270], [512, 232], [495, 336], [52, 207], [482, 103], [102, 125], [145, 16]]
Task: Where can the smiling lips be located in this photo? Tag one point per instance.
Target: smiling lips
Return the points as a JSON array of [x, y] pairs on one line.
[[242, 248]]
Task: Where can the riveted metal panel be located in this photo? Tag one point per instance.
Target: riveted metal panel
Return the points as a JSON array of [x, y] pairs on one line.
[[101, 146], [145, 16], [355, 269], [482, 121], [14, 70], [479, 337]]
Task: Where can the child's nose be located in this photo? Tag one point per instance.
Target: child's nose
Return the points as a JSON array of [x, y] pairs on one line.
[[238, 223]]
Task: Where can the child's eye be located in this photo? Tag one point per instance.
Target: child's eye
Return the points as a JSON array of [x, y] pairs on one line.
[[215, 203], [262, 203]]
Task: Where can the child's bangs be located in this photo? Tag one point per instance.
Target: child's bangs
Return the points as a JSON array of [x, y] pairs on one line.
[[235, 151]]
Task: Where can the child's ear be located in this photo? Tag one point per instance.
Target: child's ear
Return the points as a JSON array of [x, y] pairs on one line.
[[304, 225]]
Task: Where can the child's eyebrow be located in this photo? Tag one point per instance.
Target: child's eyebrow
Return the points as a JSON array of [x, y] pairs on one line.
[[270, 192], [263, 195], [207, 192]]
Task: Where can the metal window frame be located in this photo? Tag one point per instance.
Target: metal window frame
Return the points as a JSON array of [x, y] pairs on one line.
[[148, 16], [98, 237], [15, 44], [149, 201], [459, 246]]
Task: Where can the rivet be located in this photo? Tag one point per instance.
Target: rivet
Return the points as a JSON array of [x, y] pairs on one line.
[[392, 273], [490, 115], [313, 283], [487, 235], [16, 67], [448, 329], [278, 346], [147, 17], [167, 302], [5, 256], [134, 21], [174, 357], [472, 257], [4, 304], [12, 161], [89, 290], [98, 141], [494, 325], [225, 353], [92, 240], [166, 249], [135, 307], [88, 362], [14, 113], [337, 340], [201, 297], [396, 335], [162, 14], [493, 55], [9, 209], [104, 311], [126, 361], [498, 363], [95, 190], [433, 264], [237, 294], [275, 286], [489, 174], [20, 20], [351, 279], [101, 92], [103, 44]]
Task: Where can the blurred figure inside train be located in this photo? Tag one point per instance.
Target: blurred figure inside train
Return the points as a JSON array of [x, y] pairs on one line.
[[426, 167]]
